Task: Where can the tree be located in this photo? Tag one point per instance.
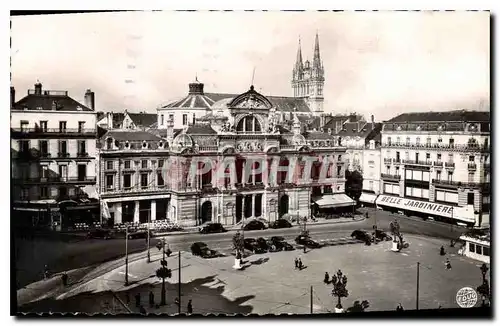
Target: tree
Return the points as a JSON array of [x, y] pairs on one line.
[[238, 244], [353, 184], [395, 230], [163, 272]]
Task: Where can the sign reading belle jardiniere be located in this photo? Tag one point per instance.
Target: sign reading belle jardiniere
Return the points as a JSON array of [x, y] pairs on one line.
[[416, 205]]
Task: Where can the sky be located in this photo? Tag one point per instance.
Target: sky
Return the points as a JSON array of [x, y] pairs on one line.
[[380, 63]]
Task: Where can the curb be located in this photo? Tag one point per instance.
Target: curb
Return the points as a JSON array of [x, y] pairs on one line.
[[237, 229]]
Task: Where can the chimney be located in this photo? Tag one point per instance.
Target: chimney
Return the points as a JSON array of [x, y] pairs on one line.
[[12, 96], [352, 117], [38, 88], [110, 120], [373, 121], [90, 99]]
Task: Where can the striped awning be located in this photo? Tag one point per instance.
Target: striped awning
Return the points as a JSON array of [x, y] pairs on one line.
[[368, 198], [337, 200]]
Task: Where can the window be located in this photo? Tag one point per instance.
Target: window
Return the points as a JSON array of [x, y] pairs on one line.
[[470, 198], [160, 163], [472, 247], [439, 157], [452, 142], [144, 164], [127, 181], [43, 126], [25, 193], [407, 155], [389, 142], [161, 120], [388, 169], [62, 126], [24, 146], [63, 172], [248, 123], [397, 170], [450, 158], [127, 164], [339, 171], [407, 141], [82, 147], [171, 117], [44, 148], [44, 173], [44, 192], [398, 140], [371, 185], [416, 157], [109, 181], [450, 176], [161, 182], [109, 165], [144, 180], [427, 156], [109, 143], [440, 140], [486, 251], [63, 148], [478, 250], [438, 175], [397, 157], [471, 176], [81, 126], [418, 140], [471, 158], [24, 126], [428, 141], [82, 172], [184, 119]]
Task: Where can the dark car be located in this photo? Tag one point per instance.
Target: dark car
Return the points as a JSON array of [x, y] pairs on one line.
[[201, 249], [264, 244], [212, 228], [252, 245], [254, 225], [306, 241], [100, 234], [381, 235], [361, 235], [280, 224], [280, 244], [141, 234]]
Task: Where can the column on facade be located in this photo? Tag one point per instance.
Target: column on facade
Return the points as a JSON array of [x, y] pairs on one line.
[[265, 172], [153, 210], [243, 208], [194, 176], [254, 213], [118, 213], [136, 211], [274, 168], [264, 206], [243, 172], [137, 177]]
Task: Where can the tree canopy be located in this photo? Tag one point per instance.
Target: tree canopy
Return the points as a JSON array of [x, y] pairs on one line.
[[353, 184]]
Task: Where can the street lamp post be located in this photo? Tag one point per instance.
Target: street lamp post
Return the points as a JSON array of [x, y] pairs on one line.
[[126, 255], [339, 282], [149, 238], [484, 288]]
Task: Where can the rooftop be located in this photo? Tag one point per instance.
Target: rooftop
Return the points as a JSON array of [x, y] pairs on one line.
[[447, 116]]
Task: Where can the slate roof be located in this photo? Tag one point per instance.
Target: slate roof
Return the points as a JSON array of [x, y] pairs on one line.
[[317, 135], [282, 103], [448, 116], [200, 129], [335, 119], [143, 119], [132, 135], [366, 129], [46, 100]]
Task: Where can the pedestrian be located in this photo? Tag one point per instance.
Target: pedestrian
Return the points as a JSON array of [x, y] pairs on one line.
[[327, 278], [190, 307], [45, 272], [399, 307], [296, 263], [151, 299], [441, 251], [304, 248], [138, 300], [300, 264], [176, 301], [64, 278], [142, 310], [448, 264]]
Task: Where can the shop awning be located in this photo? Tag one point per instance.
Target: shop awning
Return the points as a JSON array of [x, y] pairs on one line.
[[368, 198], [337, 200]]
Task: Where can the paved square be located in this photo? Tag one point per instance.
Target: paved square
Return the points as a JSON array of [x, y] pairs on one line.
[[270, 284]]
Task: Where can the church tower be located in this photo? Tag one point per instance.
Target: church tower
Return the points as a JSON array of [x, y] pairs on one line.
[[308, 79]]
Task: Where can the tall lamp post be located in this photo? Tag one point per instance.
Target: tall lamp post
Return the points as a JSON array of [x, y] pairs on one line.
[[149, 237], [339, 290], [126, 255], [484, 289]]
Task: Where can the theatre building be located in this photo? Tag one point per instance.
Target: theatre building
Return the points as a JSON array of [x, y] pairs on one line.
[[437, 165]]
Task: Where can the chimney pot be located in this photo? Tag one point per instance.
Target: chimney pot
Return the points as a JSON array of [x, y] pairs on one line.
[[38, 88], [89, 99]]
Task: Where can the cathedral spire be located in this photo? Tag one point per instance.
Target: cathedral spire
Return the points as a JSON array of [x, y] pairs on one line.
[[298, 63], [316, 58]]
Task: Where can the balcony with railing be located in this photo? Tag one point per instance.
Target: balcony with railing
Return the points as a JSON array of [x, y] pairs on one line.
[[387, 160], [449, 165], [438, 164], [63, 155], [418, 162], [56, 179], [54, 131], [136, 189], [486, 166], [472, 166], [465, 147], [208, 148], [82, 154], [454, 184], [390, 176]]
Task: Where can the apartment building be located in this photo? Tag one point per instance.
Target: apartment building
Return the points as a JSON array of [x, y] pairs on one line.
[[53, 149], [438, 164]]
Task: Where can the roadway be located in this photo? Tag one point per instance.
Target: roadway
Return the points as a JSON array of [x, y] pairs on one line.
[[32, 254]]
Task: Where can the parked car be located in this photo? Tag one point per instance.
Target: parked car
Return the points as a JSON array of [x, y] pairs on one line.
[[263, 244], [281, 244], [252, 245], [140, 234], [280, 224], [361, 235], [201, 249], [381, 235], [212, 228], [100, 234], [254, 225], [306, 241]]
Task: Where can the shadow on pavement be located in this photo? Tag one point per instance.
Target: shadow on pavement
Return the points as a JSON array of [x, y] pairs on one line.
[[206, 298], [259, 261]]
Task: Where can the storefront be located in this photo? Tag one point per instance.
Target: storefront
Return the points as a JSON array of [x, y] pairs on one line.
[[476, 248], [425, 209], [332, 204], [368, 199]]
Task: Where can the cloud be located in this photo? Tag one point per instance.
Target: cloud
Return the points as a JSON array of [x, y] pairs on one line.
[[379, 63]]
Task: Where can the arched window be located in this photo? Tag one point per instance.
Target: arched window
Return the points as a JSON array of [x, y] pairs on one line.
[[109, 143], [248, 123]]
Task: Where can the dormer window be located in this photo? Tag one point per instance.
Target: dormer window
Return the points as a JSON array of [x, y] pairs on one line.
[[144, 145], [109, 143], [160, 144], [127, 145]]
